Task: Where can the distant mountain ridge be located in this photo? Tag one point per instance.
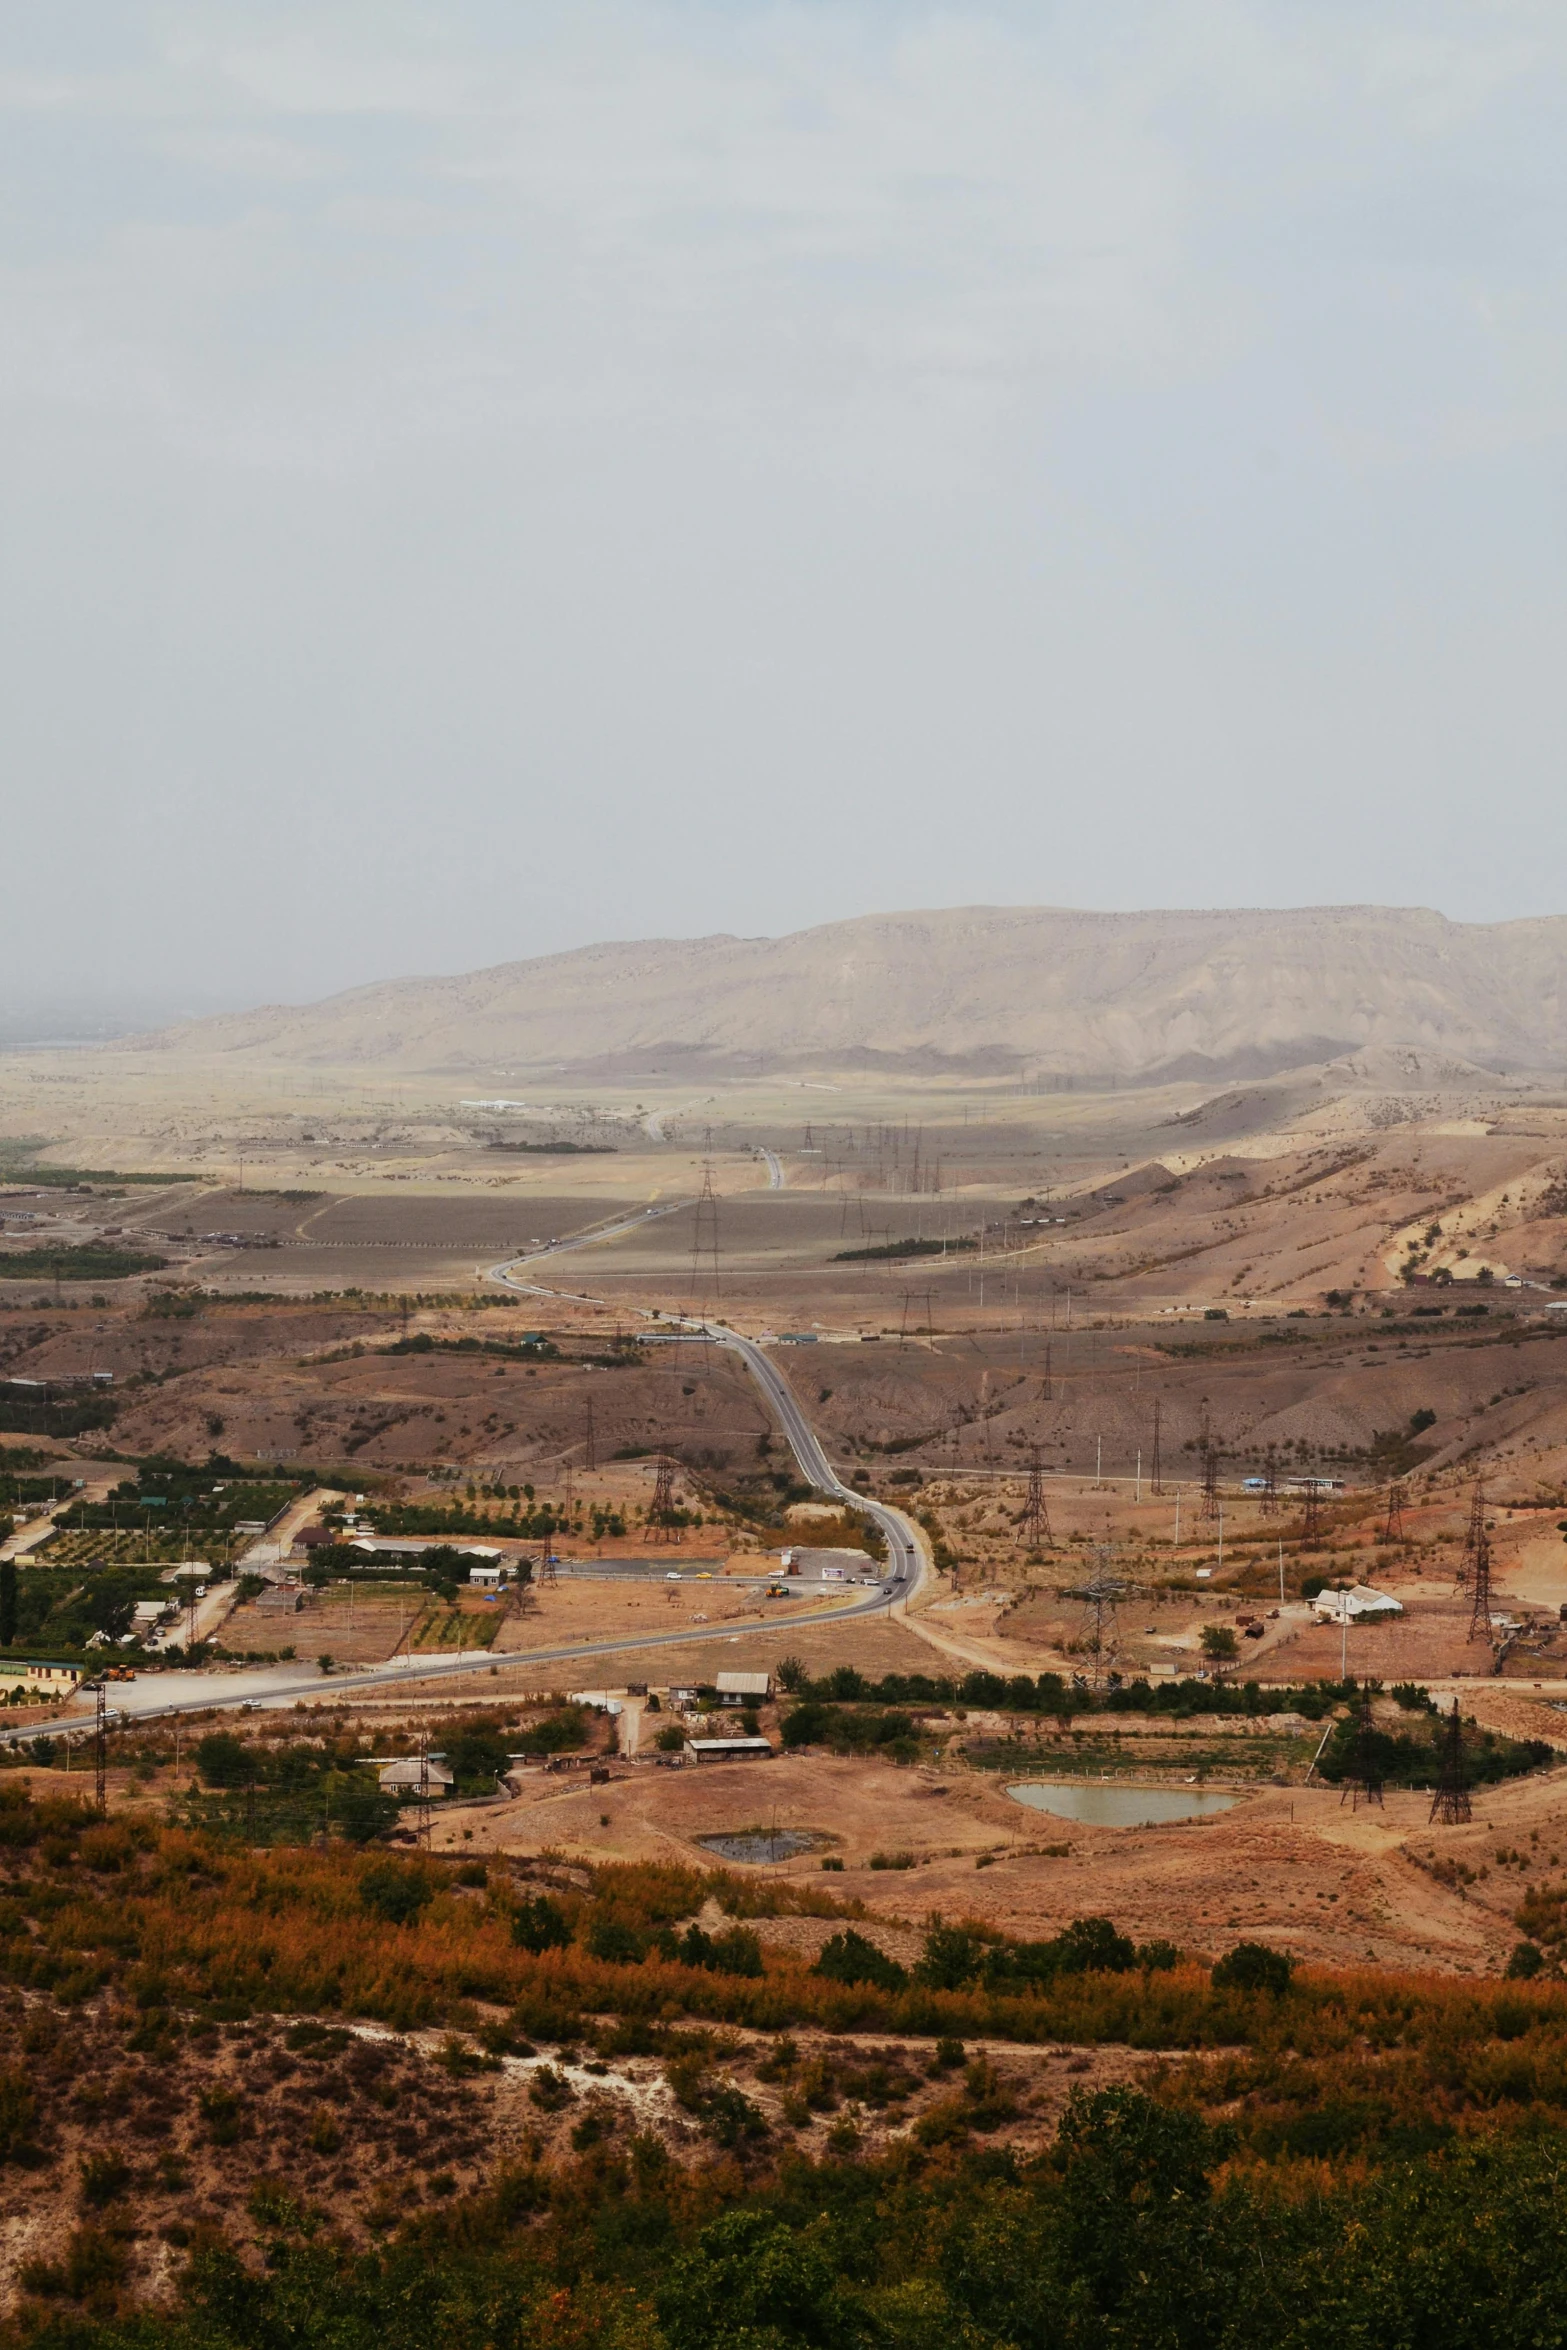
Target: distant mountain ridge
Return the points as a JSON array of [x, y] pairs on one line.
[[1131, 996]]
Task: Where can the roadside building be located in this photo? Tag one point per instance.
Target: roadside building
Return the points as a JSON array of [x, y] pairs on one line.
[[728, 1749], [413, 1546], [31, 1679]]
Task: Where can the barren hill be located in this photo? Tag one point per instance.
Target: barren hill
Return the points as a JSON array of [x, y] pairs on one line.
[[1242, 993]]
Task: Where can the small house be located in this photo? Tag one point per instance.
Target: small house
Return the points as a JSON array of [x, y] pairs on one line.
[[414, 1774], [280, 1599], [744, 1688], [1355, 1604]]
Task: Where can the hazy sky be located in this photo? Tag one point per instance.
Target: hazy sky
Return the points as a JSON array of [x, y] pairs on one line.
[[484, 477]]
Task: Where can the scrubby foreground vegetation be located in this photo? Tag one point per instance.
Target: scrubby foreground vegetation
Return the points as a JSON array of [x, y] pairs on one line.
[[335, 2096]]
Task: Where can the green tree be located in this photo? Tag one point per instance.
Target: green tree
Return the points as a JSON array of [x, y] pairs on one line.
[[394, 1891], [849, 1958], [751, 2279], [540, 1924], [7, 1602], [1219, 1643], [950, 1958], [1252, 1966], [222, 1760]]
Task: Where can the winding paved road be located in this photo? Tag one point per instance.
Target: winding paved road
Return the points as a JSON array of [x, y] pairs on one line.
[[163, 1695]]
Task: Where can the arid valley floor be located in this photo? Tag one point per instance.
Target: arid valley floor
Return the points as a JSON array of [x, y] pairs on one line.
[[1351, 1268]]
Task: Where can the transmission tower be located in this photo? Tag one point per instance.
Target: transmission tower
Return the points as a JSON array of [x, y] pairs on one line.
[[1210, 1471], [1311, 1516], [100, 1746], [590, 1458], [1394, 1529], [1480, 1594], [1270, 1482], [1364, 1778], [1475, 1544], [704, 1240], [1036, 1530], [1101, 1596], [1158, 1457], [662, 1506], [1450, 1804]]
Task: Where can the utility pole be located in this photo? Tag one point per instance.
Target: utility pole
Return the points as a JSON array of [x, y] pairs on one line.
[[1157, 1481]]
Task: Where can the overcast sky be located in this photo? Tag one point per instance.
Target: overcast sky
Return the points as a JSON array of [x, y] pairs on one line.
[[480, 478]]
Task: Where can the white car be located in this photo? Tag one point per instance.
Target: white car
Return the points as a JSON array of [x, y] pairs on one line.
[[673, 1576]]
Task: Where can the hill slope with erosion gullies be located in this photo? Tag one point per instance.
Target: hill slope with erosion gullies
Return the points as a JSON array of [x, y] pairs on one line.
[[1243, 993]]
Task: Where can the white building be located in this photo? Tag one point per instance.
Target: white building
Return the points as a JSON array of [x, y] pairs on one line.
[[1351, 1606]]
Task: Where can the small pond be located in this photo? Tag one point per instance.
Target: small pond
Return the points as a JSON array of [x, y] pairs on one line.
[[760, 1844], [1097, 1804]]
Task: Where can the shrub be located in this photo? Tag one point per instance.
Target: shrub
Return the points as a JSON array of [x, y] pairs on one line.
[[1252, 1966], [1526, 1962], [549, 2090], [729, 2117], [394, 1891], [612, 1939], [951, 1958], [222, 1760], [104, 2176], [539, 1924], [18, 2118], [849, 1958]]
